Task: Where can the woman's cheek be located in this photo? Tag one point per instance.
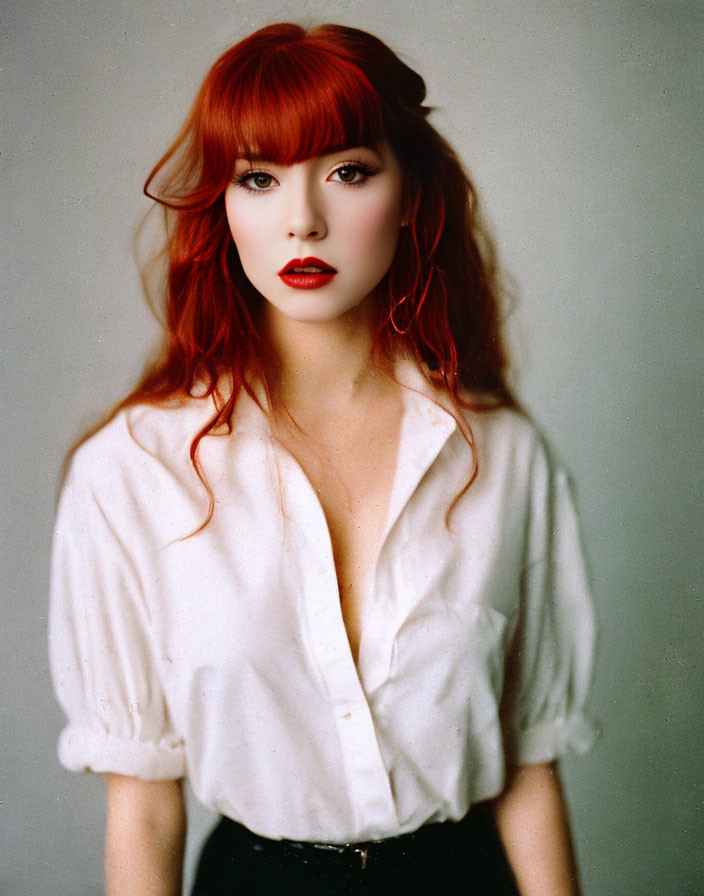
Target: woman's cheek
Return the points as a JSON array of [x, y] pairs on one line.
[[378, 231]]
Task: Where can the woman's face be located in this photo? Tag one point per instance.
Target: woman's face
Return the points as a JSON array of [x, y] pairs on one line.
[[315, 238]]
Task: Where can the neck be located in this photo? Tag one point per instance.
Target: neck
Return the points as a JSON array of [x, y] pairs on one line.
[[322, 364]]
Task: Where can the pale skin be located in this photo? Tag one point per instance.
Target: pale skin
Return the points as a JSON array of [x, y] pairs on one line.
[[146, 832], [339, 416]]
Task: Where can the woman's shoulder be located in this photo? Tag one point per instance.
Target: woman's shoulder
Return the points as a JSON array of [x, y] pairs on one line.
[[500, 432], [508, 440], [140, 435], [507, 422], [511, 425]]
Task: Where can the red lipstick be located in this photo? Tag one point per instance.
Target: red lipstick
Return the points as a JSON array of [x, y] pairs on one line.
[[307, 273]]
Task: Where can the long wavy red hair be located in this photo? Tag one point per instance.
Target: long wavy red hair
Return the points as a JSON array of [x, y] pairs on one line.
[[288, 94]]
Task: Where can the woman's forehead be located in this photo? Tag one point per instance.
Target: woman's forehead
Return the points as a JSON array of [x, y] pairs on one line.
[[296, 118], [296, 140], [326, 154]]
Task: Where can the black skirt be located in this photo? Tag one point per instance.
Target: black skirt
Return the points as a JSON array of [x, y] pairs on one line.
[[448, 858]]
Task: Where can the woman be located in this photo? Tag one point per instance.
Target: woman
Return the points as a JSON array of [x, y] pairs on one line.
[[317, 561]]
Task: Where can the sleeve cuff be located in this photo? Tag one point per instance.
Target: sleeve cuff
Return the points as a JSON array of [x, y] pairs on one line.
[[84, 749], [549, 740]]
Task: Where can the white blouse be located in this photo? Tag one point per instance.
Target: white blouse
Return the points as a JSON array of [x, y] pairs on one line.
[[223, 656]]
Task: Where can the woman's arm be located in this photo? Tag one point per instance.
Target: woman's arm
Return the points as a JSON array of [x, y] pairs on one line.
[[145, 837], [531, 817]]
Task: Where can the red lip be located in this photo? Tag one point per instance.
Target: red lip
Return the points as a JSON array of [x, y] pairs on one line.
[[309, 262], [299, 279]]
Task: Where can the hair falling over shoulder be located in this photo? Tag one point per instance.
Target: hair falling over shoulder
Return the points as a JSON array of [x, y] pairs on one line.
[[287, 94]]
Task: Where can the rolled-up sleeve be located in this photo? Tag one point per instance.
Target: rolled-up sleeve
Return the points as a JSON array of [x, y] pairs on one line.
[[550, 665], [102, 662]]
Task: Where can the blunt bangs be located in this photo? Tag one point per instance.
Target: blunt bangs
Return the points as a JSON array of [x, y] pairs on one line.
[[300, 101]]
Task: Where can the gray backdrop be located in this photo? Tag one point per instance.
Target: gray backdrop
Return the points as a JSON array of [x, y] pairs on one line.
[[580, 123]]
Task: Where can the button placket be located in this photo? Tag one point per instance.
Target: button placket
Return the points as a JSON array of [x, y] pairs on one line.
[[367, 778]]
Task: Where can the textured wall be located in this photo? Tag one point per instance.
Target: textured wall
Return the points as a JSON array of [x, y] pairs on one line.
[[580, 123]]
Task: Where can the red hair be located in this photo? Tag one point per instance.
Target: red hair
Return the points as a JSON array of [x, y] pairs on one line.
[[288, 94]]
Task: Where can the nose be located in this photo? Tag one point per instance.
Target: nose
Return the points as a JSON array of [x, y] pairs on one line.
[[305, 216]]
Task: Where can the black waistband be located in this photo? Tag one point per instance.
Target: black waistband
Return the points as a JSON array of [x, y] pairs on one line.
[[447, 835]]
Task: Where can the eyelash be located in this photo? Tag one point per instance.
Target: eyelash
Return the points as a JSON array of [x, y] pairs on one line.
[[366, 172], [241, 181]]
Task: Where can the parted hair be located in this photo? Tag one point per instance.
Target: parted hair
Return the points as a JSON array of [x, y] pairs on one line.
[[286, 94]]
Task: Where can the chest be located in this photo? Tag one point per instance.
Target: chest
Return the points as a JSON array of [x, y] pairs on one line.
[[351, 466], [272, 585]]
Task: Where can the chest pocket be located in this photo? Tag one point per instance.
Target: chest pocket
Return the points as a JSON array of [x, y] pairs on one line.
[[450, 641]]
